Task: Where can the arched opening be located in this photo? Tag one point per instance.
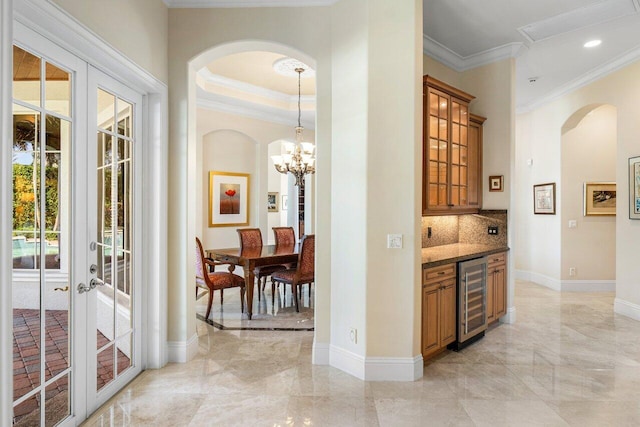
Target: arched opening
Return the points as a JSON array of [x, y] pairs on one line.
[[588, 200], [240, 117]]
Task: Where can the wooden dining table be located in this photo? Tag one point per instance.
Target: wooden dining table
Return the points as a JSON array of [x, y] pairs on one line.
[[250, 258]]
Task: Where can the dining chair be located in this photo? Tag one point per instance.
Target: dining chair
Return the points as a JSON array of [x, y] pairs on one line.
[[284, 235], [303, 273], [215, 280], [251, 238]]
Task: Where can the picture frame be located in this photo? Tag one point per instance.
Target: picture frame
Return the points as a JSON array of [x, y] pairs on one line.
[[544, 199], [496, 183], [634, 187], [228, 199], [599, 199], [285, 202], [272, 201]]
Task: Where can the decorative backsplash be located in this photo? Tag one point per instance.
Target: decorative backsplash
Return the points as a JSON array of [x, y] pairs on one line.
[[472, 228]]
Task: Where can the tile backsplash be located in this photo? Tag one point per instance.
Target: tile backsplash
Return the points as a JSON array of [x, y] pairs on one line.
[[471, 228]]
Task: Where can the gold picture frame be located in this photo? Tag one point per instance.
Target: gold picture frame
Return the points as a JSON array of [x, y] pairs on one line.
[[228, 199], [599, 199]]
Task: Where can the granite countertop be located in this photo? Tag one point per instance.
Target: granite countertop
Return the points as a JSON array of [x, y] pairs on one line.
[[438, 255]]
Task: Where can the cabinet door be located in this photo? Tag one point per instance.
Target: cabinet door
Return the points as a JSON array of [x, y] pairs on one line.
[[459, 187], [448, 313], [430, 320], [500, 291], [436, 150], [474, 151], [491, 286]]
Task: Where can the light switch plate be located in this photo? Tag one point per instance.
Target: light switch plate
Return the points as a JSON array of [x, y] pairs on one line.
[[573, 223], [394, 241]]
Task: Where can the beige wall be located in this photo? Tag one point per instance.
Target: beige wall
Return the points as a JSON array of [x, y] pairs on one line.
[[236, 143], [542, 143], [588, 155], [137, 28]]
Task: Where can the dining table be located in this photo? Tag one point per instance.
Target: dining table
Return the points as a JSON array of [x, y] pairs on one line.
[[251, 257]]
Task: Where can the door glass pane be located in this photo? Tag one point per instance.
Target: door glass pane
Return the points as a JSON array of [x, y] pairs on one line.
[[123, 359], [105, 367], [443, 129], [433, 127], [41, 242], [433, 149], [442, 195], [57, 90], [433, 104], [455, 154], [26, 76], [443, 102], [106, 110], [125, 113]]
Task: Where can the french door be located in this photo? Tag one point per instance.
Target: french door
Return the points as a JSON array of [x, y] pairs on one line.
[[76, 284]]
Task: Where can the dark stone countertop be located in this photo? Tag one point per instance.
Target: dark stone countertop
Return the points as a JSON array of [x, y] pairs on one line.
[[445, 254]]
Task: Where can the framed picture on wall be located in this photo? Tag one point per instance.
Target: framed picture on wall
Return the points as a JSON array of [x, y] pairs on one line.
[[544, 199], [634, 188], [228, 199], [599, 198], [272, 202], [496, 183]]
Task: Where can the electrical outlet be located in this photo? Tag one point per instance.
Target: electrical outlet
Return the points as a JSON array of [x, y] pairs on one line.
[[353, 335], [572, 271], [493, 230], [428, 232], [394, 241]]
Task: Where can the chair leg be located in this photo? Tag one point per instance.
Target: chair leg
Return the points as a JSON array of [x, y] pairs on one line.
[[294, 289], [273, 292], [258, 287], [221, 296], [209, 304], [242, 297]]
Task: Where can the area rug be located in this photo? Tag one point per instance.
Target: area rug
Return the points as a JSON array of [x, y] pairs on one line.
[[279, 316]]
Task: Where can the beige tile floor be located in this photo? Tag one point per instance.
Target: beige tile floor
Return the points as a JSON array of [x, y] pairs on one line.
[[568, 360]]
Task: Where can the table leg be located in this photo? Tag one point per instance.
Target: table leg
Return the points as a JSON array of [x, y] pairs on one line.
[[249, 278]]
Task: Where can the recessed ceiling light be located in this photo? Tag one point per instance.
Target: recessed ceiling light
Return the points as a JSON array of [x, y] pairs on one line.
[[593, 43]]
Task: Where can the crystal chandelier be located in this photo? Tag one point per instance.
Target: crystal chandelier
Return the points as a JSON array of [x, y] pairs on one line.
[[297, 158]]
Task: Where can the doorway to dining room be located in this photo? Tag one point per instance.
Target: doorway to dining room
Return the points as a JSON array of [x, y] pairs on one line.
[[246, 113]]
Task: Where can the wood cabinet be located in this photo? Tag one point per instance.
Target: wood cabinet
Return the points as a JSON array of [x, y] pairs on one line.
[[496, 286], [438, 308], [452, 151]]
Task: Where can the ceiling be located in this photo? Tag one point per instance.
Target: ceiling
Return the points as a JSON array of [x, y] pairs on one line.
[[546, 38]]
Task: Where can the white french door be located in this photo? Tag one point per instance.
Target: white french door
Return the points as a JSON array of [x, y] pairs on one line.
[[76, 239]]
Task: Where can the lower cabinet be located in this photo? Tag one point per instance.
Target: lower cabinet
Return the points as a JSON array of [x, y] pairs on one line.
[[496, 286], [438, 308]]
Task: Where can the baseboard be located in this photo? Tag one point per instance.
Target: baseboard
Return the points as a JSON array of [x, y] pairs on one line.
[[377, 368], [589, 285], [320, 353], [510, 316], [523, 275], [626, 308], [546, 281], [183, 351]]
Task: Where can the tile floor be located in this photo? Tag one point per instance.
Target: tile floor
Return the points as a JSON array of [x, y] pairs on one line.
[[568, 360]]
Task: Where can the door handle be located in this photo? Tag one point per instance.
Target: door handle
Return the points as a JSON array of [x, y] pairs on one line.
[[95, 282], [65, 289], [82, 288]]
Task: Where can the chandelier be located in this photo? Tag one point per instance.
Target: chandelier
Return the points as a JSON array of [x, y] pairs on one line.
[[297, 158]]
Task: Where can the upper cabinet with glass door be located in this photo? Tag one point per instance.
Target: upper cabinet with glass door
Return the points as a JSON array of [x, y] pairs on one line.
[[452, 151]]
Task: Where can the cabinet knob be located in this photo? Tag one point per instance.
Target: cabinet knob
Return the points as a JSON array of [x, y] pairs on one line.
[[441, 273]]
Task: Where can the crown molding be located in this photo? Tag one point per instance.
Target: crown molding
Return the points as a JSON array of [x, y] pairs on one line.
[[227, 104], [254, 90], [460, 63], [245, 3], [585, 79]]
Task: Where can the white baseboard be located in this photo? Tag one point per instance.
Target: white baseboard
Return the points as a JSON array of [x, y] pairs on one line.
[[589, 285], [320, 354], [626, 308], [510, 317], [183, 351], [567, 285], [377, 368]]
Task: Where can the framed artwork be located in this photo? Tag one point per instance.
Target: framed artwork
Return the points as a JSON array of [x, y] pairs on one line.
[[599, 198], [285, 202], [228, 199], [496, 183], [272, 202], [544, 199], [634, 188]]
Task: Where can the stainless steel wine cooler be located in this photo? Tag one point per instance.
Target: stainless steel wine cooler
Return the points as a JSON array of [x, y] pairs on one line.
[[472, 301]]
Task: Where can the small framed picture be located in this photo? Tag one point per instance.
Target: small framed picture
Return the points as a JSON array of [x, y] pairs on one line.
[[634, 188], [599, 198], [272, 201], [496, 183], [544, 199]]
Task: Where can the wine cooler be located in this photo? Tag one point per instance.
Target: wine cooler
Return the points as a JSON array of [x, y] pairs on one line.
[[472, 302]]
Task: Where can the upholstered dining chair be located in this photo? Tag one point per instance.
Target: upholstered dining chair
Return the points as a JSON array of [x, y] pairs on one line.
[[251, 238], [284, 235], [215, 280], [303, 273]]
